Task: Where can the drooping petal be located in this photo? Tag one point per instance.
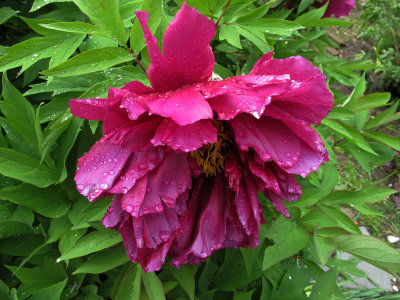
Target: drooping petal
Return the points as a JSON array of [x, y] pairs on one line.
[[274, 141], [250, 94], [114, 214], [307, 97], [99, 168], [139, 164], [162, 185], [185, 60], [186, 138], [89, 109]]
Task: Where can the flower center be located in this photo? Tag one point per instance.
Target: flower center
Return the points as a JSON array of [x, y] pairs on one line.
[[211, 157]]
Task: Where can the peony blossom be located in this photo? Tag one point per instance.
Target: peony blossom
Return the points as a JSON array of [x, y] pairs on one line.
[[339, 8], [187, 156]]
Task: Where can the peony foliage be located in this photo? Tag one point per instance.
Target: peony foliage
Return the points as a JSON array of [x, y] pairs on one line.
[[184, 150]]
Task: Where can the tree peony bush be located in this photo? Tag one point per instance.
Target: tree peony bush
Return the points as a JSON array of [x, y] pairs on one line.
[[204, 134]]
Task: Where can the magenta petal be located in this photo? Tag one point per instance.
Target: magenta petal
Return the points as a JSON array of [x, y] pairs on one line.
[[186, 60], [273, 140], [307, 97], [339, 8], [114, 214], [90, 109], [99, 168], [186, 138], [138, 165], [186, 45], [250, 94], [137, 88]]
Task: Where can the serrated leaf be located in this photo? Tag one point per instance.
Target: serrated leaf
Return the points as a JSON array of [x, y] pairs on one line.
[[371, 250], [92, 242], [90, 61]]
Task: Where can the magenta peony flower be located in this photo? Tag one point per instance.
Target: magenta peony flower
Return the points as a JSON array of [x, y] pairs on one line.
[[187, 157], [339, 8]]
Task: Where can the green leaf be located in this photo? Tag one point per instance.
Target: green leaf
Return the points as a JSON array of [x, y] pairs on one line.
[[243, 295], [185, 276], [90, 61], [49, 202], [105, 14], [369, 101], [29, 52], [6, 13], [312, 17], [26, 168], [92, 242], [386, 139], [324, 286], [385, 117], [340, 218], [51, 292], [331, 22], [20, 114], [153, 286], [250, 33], [372, 250], [324, 247], [230, 33], [154, 8], [279, 26], [289, 237], [77, 27], [369, 194], [38, 4], [357, 92], [129, 283], [103, 261], [303, 5], [254, 14], [337, 127], [57, 228], [357, 139]]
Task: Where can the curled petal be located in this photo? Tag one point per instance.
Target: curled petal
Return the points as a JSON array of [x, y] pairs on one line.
[[274, 141], [306, 98], [185, 138], [250, 94], [114, 214], [99, 168]]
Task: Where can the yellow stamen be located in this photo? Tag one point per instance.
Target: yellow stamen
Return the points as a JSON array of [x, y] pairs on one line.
[[211, 157]]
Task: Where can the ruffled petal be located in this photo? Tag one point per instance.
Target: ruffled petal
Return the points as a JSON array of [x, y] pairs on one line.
[[185, 138], [162, 185], [89, 109], [307, 97], [99, 168], [186, 60], [249, 94], [138, 165], [137, 88], [274, 141]]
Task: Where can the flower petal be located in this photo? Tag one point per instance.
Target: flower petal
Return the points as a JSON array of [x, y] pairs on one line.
[[99, 168], [307, 97], [186, 138], [169, 180], [273, 140], [250, 94], [114, 214], [89, 109], [138, 165], [186, 60]]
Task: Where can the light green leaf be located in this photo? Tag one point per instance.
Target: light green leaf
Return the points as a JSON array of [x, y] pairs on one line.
[[57, 228], [369, 101], [312, 17], [250, 33], [385, 117], [289, 237], [324, 286], [103, 261], [51, 292], [371, 250], [93, 242], [90, 61], [279, 26], [369, 194], [303, 5], [324, 247], [77, 27], [230, 33], [386, 139], [38, 4], [129, 283], [49, 202], [26, 168], [105, 14]]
